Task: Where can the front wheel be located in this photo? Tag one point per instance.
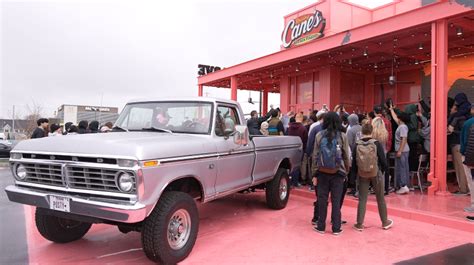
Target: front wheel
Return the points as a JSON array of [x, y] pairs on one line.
[[277, 190], [59, 230], [169, 233]]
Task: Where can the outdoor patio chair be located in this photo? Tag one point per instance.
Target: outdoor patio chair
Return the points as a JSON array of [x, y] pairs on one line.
[[423, 167]]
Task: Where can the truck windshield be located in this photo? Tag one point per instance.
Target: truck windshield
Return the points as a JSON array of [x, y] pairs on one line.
[[177, 117]]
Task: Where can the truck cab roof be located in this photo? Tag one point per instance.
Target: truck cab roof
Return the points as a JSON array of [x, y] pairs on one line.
[[200, 99]]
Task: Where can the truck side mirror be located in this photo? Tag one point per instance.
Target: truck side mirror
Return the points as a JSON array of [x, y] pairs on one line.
[[241, 136]]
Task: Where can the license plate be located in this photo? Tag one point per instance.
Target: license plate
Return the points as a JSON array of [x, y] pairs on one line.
[[59, 203]]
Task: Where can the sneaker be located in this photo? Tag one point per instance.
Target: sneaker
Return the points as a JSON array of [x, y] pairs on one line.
[[469, 209], [358, 227], [388, 225], [458, 193], [470, 218], [315, 228], [336, 233], [403, 190], [314, 221]]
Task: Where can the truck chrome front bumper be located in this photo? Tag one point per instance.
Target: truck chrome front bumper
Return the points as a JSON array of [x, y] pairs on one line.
[[124, 213]]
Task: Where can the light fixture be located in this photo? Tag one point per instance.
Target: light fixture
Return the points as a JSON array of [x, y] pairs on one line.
[[297, 69], [365, 52], [459, 31], [420, 47], [350, 61], [375, 66]]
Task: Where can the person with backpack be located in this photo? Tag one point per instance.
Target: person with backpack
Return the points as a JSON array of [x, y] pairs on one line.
[[369, 161], [467, 150], [331, 162], [275, 126]]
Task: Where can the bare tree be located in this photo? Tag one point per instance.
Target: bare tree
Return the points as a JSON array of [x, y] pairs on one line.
[[33, 111]]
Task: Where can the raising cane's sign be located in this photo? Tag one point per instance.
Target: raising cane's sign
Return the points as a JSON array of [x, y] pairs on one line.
[[303, 29]]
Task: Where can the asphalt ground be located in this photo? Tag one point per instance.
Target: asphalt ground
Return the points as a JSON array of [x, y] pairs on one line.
[[13, 242]]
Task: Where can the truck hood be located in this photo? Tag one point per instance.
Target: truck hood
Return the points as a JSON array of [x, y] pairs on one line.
[[139, 145]]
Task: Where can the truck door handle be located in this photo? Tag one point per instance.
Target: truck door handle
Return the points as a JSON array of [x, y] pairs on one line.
[[211, 166]]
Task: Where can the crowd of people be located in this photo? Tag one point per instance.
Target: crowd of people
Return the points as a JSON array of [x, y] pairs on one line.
[[351, 152], [44, 129]]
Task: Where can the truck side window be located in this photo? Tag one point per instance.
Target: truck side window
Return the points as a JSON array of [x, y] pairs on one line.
[[226, 119]]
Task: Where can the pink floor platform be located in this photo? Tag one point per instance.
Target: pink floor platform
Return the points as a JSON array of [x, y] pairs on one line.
[[445, 211], [240, 229]]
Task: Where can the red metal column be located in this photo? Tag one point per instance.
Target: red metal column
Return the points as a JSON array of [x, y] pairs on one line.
[[233, 87], [439, 99], [264, 102], [200, 90]]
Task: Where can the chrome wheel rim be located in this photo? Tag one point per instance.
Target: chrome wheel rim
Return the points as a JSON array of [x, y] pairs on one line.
[[179, 229], [283, 188]]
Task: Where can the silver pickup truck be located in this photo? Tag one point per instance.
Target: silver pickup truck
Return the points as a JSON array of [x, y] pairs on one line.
[[163, 156]]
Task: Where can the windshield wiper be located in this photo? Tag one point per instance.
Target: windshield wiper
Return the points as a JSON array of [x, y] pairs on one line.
[[156, 129], [120, 128]]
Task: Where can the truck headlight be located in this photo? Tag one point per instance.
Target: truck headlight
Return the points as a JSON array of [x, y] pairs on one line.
[[20, 172], [15, 155], [125, 182]]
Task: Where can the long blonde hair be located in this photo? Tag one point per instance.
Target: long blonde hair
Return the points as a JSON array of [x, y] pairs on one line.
[[379, 133]]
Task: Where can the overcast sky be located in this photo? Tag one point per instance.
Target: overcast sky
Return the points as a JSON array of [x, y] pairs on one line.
[[73, 52]]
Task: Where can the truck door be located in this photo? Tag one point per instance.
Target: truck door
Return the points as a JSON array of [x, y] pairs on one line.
[[235, 162]]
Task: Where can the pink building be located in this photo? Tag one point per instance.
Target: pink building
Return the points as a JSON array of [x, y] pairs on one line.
[[335, 52]]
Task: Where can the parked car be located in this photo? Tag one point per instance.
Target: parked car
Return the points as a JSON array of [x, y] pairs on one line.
[[5, 149], [163, 157]]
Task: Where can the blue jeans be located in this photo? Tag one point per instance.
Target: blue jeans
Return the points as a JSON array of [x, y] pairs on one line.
[[402, 169]]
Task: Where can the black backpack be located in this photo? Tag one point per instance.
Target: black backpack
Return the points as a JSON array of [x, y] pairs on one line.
[[469, 152]]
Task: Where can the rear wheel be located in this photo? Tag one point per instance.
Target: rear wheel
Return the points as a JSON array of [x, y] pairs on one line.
[[169, 233], [59, 230], [277, 190]]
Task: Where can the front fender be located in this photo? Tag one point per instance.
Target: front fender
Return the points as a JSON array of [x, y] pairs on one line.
[[157, 179]]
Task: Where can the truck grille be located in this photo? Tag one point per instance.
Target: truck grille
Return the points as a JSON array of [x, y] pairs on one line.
[[92, 178], [44, 174], [76, 176]]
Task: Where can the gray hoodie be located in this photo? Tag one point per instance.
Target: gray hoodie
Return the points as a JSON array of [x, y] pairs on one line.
[[354, 130]]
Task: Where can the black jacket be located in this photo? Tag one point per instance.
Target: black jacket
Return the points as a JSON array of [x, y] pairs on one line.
[[38, 133], [383, 166], [254, 124]]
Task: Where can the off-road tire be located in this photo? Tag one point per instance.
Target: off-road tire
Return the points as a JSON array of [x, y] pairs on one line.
[[272, 190], [59, 230], [155, 228]]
